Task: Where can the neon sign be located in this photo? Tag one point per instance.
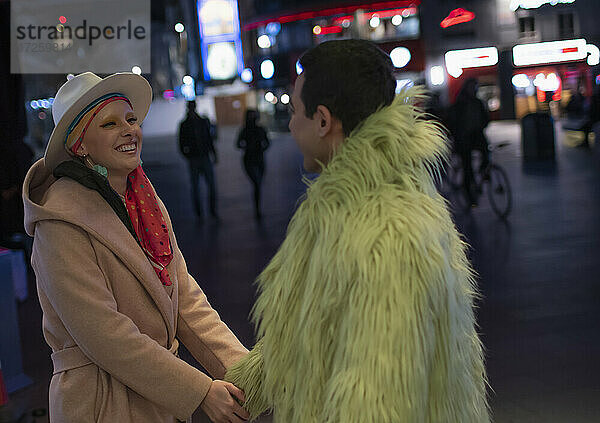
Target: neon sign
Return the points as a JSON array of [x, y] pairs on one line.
[[221, 44], [457, 60], [555, 52], [457, 16], [407, 7], [534, 4]]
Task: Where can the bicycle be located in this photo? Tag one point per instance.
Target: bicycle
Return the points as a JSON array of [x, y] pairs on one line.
[[492, 178]]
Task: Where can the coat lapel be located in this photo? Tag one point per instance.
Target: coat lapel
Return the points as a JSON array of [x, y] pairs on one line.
[[95, 216]]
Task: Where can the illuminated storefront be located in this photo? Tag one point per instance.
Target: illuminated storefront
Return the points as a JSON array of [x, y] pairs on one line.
[[394, 25], [273, 46], [525, 54], [546, 74]]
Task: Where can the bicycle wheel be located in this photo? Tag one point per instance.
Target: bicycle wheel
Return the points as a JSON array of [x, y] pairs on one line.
[[499, 192]]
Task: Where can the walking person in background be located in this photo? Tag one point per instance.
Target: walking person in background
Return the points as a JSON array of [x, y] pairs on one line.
[[582, 113], [467, 119], [196, 145], [254, 141]]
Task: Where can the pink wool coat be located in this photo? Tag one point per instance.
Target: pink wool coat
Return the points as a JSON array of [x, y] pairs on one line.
[[113, 327]]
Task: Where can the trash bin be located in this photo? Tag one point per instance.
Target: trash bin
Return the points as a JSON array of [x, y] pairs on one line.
[[537, 136]]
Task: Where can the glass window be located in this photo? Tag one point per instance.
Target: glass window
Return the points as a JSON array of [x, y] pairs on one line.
[[565, 25]]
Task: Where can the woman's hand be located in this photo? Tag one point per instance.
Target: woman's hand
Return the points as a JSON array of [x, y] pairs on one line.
[[220, 405]]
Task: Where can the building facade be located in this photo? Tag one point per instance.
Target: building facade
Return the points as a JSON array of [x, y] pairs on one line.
[[526, 54], [440, 43]]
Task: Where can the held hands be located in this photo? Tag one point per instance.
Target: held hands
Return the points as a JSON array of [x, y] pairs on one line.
[[220, 405]]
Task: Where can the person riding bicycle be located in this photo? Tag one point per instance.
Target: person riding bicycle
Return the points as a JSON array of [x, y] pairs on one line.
[[467, 119]]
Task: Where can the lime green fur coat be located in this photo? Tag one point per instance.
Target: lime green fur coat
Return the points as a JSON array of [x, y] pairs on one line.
[[365, 314]]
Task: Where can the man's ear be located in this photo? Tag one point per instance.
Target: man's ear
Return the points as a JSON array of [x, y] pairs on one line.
[[324, 120], [328, 124]]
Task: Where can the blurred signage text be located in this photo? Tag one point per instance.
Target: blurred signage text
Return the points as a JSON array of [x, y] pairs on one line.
[[457, 60], [555, 52]]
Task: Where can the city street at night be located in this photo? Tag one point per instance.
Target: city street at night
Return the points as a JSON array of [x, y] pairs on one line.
[[391, 209], [537, 271]]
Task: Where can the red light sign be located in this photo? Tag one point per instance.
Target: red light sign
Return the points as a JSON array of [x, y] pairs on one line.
[[330, 30], [570, 50], [410, 6], [457, 16]]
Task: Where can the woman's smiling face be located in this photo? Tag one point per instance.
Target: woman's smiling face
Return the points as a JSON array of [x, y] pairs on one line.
[[114, 139]]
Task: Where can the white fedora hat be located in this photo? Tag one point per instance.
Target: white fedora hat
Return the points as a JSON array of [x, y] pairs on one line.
[[79, 92]]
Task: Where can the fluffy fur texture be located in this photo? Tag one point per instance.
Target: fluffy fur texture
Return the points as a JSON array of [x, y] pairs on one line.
[[365, 314]]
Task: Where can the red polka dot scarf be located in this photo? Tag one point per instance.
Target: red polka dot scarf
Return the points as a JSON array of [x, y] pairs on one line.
[[149, 223]]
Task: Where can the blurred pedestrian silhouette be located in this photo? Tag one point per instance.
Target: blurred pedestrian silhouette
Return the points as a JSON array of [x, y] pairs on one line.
[[434, 108], [254, 141], [467, 118], [581, 114], [196, 144]]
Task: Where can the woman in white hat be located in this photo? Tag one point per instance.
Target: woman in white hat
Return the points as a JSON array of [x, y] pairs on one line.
[[113, 285]]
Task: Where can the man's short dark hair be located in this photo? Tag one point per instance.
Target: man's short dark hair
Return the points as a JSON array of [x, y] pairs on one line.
[[352, 78]]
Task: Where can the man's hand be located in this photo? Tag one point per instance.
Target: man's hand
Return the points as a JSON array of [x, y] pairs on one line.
[[220, 406]]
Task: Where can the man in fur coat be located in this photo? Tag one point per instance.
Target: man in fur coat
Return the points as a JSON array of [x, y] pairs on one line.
[[365, 314]]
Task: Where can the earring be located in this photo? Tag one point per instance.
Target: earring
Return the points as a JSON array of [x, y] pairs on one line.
[[101, 170], [98, 168]]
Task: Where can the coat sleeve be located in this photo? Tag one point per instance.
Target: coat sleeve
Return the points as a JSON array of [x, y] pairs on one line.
[[386, 342], [247, 375], [199, 326], [203, 332], [78, 292]]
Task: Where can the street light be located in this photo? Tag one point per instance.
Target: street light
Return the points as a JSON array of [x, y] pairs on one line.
[[437, 75], [179, 27], [247, 75], [264, 41], [396, 20], [400, 56], [285, 99], [267, 69]]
